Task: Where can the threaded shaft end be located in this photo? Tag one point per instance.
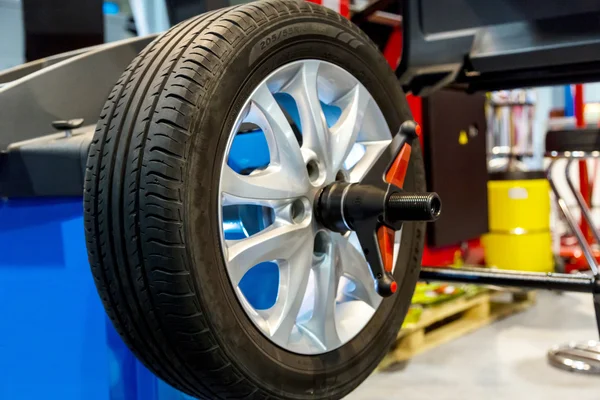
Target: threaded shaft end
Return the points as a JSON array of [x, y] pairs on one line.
[[413, 207]]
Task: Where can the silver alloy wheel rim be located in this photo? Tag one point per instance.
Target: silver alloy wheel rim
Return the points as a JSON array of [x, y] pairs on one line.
[[325, 297]]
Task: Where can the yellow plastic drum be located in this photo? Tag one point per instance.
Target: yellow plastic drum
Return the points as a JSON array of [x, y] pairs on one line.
[[519, 222]]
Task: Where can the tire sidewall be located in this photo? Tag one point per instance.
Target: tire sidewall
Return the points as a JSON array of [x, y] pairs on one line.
[[331, 374]]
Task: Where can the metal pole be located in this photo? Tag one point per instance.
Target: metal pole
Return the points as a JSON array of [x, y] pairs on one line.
[[587, 216], [564, 282], [585, 247]]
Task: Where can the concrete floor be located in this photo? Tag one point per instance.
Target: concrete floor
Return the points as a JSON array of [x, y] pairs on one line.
[[503, 361]]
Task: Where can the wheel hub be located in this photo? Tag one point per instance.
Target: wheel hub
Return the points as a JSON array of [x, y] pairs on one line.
[[315, 205], [342, 207]]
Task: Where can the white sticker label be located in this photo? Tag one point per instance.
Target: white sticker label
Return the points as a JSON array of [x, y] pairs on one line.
[[518, 193]]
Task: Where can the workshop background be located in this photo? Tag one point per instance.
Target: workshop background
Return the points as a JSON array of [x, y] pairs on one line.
[[56, 341]]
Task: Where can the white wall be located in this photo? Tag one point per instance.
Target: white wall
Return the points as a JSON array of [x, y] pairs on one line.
[[150, 16], [12, 40]]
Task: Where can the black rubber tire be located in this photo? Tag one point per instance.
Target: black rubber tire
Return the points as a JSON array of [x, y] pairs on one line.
[[151, 214], [586, 140]]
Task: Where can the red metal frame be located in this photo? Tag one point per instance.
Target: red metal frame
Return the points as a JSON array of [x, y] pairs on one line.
[[340, 6], [584, 181], [393, 48], [572, 251]]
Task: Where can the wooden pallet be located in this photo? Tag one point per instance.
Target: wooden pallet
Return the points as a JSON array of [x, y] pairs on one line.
[[448, 321]]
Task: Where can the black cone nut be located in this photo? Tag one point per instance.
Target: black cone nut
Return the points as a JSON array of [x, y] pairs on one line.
[[413, 207]]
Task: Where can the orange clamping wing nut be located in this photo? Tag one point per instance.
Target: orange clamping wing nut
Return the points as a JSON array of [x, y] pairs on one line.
[[385, 238], [397, 172]]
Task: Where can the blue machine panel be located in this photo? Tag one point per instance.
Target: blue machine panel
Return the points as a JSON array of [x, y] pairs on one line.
[[53, 336], [55, 339]]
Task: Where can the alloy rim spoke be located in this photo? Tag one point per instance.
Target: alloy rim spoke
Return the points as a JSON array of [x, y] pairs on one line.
[[321, 327], [293, 282], [315, 133], [229, 200], [283, 146], [272, 183], [353, 266], [374, 125], [373, 151], [345, 131], [278, 242]]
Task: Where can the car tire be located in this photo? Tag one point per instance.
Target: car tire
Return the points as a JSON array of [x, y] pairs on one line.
[[150, 209]]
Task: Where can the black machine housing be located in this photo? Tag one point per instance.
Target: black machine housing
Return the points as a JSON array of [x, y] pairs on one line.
[[498, 44]]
